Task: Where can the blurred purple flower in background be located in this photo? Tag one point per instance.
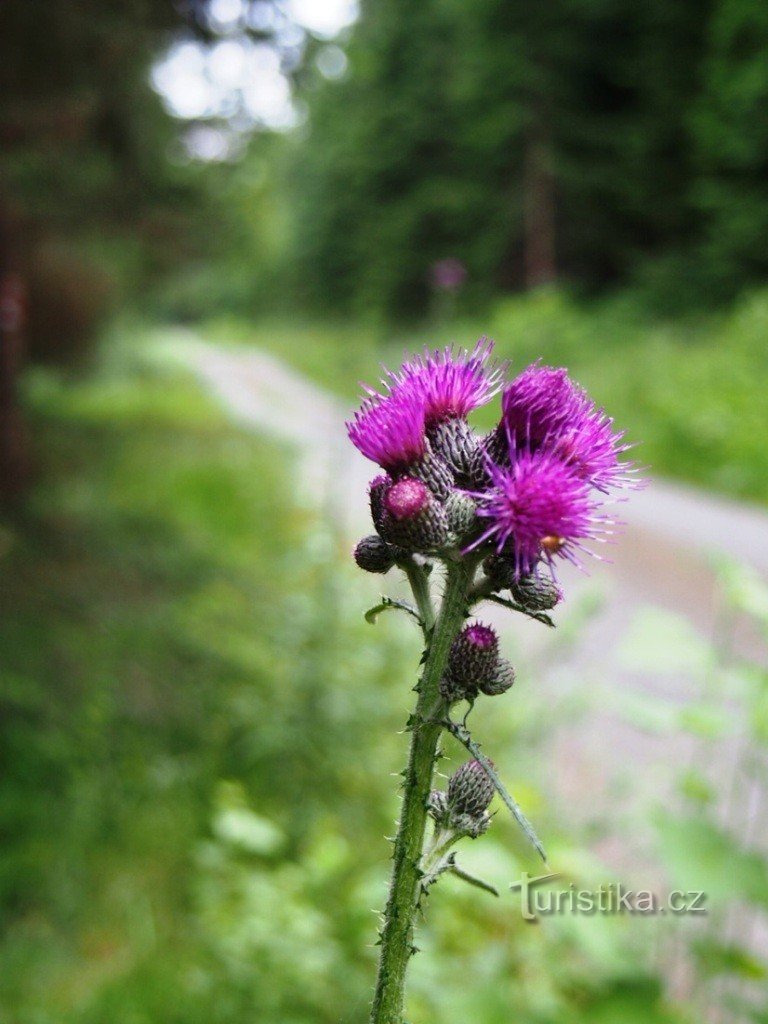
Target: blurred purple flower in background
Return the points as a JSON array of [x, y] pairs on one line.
[[448, 274]]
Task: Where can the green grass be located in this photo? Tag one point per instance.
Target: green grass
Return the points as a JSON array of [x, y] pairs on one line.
[[690, 393]]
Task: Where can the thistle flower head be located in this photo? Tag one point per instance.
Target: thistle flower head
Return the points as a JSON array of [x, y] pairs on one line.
[[472, 659], [537, 508], [544, 409], [389, 430], [537, 403], [588, 443], [448, 383], [407, 498]]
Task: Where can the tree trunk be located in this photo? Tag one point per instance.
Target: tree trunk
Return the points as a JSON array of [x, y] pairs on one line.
[[539, 240], [14, 459]]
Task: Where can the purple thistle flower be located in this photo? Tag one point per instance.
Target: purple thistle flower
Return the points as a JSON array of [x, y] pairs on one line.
[[538, 508], [448, 274], [537, 404], [449, 384], [389, 430], [543, 409], [591, 447]]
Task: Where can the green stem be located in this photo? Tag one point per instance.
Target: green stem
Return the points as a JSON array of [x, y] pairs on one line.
[[405, 886], [419, 581]]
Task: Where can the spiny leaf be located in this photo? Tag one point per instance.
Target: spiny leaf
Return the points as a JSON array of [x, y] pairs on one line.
[[388, 604], [462, 734], [513, 606], [465, 876]]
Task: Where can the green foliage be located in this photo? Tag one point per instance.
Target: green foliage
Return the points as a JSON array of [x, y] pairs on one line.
[[94, 207], [731, 136], [599, 141]]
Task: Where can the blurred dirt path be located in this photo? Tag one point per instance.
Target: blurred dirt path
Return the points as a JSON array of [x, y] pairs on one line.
[[662, 559]]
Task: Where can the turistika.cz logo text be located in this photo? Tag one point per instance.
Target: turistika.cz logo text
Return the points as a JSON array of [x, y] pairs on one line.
[[538, 900]]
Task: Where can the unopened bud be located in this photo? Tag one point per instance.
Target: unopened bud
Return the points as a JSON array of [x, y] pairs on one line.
[[536, 593], [377, 488], [473, 658], [374, 554], [461, 511], [502, 679], [500, 570], [412, 518], [437, 806], [470, 790], [454, 440]]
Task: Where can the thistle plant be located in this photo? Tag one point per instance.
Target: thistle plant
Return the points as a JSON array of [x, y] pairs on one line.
[[494, 515]]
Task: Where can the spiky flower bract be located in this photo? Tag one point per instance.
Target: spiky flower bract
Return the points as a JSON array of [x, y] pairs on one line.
[[448, 383], [389, 430], [537, 508]]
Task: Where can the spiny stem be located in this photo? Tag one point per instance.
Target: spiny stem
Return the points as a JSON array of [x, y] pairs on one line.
[[405, 886]]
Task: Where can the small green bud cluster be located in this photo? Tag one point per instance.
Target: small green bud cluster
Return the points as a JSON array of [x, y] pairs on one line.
[[421, 512], [463, 809], [536, 592], [475, 666]]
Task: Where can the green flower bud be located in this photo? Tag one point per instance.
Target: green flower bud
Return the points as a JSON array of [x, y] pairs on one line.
[[374, 554], [502, 679], [470, 791], [461, 511], [454, 440], [536, 593], [437, 805]]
